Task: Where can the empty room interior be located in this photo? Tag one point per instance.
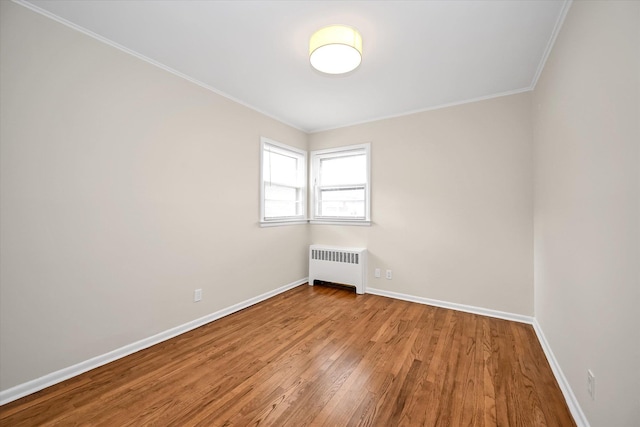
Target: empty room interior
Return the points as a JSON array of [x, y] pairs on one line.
[[464, 197]]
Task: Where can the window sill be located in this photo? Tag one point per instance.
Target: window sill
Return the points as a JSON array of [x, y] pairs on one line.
[[278, 223], [360, 223]]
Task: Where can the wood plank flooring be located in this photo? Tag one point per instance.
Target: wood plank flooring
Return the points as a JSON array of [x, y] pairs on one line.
[[317, 356]]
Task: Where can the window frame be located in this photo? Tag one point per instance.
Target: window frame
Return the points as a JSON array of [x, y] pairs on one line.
[[314, 177], [302, 157]]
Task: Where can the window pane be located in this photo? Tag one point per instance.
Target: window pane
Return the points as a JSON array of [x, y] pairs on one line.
[[280, 201], [343, 170], [277, 192], [279, 168], [342, 202], [342, 194], [342, 209], [279, 208]]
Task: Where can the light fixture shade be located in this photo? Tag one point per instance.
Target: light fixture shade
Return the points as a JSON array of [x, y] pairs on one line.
[[336, 49]]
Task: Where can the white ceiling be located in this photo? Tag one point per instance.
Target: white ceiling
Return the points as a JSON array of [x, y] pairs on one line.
[[417, 55]]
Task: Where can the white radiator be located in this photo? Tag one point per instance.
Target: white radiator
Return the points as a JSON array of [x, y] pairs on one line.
[[347, 266]]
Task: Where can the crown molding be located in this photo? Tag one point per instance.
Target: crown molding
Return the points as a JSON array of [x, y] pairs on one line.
[[552, 40], [148, 60]]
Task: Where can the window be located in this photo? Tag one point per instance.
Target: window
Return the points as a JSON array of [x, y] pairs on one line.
[[283, 183], [340, 185]]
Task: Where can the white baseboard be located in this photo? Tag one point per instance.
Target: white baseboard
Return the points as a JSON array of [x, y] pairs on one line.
[[453, 306], [45, 381], [578, 416]]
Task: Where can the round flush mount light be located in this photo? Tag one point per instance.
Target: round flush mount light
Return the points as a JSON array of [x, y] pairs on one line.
[[336, 49]]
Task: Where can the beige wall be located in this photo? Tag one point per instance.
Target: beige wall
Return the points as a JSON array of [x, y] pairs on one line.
[[124, 188], [587, 232], [451, 203]]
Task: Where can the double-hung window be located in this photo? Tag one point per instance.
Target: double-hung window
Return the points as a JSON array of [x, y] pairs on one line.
[[340, 181], [283, 183]]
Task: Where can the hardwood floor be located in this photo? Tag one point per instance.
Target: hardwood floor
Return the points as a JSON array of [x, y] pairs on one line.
[[318, 356]]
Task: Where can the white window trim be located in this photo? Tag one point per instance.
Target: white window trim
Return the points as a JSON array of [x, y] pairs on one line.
[[299, 219], [315, 157]]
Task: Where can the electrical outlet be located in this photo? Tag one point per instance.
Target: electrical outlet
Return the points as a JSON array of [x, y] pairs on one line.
[[389, 275], [591, 384], [197, 295], [377, 273]]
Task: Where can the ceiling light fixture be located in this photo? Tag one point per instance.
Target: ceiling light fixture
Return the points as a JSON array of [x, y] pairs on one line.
[[336, 49]]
